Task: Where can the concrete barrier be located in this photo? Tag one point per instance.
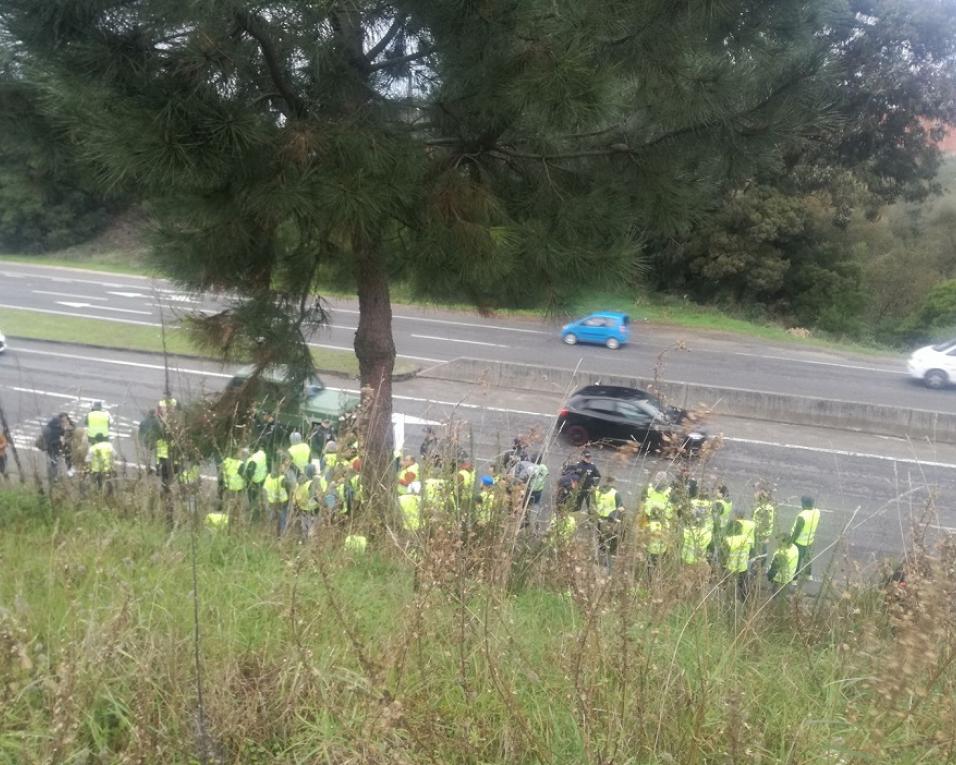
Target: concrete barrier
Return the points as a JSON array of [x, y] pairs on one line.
[[938, 427]]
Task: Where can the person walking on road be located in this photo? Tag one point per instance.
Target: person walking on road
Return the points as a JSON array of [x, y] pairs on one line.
[[98, 424], [803, 533]]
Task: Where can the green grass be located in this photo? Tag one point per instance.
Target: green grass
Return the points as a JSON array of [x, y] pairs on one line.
[[438, 656], [33, 325], [107, 261]]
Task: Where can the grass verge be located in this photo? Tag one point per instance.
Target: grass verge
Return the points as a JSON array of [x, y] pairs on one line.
[[439, 649], [32, 325]]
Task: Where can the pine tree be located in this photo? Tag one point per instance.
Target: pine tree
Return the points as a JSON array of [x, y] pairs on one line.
[[499, 148]]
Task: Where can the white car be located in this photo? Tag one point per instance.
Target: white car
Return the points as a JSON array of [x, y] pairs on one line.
[[3, 343], [935, 365]]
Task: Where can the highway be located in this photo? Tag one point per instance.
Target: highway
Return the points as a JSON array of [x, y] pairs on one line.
[[875, 486], [431, 336]]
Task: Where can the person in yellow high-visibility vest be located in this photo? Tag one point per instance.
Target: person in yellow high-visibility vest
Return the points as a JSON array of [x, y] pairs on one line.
[[803, 534], [765, 518], [783, 567], [166, 413], [410, 505], [736, 560], [102, 459], [409, 472], [275, 489], [608, 506], [300, 453], [307, 498], [330, 457], [657, 497], [98, 424], [696, 538], [255, 468]]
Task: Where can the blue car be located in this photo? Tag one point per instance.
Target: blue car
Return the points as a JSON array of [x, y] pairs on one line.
[[601, 328]]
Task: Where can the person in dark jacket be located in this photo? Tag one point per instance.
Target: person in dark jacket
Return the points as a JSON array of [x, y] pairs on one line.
[[56, 443], [588, 478]]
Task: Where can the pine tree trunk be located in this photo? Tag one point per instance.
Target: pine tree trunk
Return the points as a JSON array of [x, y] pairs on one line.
[[375, 350]]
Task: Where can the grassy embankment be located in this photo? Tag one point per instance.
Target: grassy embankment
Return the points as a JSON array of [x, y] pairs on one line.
[[482, 652], [32, 325], [654, 309]]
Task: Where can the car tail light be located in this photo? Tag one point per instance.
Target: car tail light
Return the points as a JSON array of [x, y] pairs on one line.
[[563, 412]]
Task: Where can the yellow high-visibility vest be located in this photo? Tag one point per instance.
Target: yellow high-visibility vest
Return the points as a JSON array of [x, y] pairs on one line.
[[563, 528], [231, 476], [274, 488], [300, 454], [723, 512], [605, 501], [97, 425], [656, 538], [411, 507], [304, 496], [786, 559], [259, 461], [748, 529], [216, 521], [811, 519], [694, 543], [737, 553], [101, 457], [765, 518], [658, 501]]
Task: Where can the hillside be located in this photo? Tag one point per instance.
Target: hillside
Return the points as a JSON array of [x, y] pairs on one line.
[[438, 651]]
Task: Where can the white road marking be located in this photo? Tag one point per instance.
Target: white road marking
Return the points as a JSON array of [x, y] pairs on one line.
[[140, 365], [841, 452], [454, 323], [102, 308], [352, 350], [69, 295], [458, 340], [51, 394], [128, 294], [809, 361], [81, 315]]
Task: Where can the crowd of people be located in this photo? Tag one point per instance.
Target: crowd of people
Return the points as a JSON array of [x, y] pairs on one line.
[[295, 482]]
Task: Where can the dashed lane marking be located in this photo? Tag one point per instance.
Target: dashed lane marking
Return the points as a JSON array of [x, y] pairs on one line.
[[841, 452], [69, 295], [459, 340]]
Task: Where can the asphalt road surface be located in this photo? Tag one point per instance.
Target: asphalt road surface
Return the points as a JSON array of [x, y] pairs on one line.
[[876, 488], [432, 336]]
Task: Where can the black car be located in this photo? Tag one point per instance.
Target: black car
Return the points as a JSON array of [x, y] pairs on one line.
[[601, 413]]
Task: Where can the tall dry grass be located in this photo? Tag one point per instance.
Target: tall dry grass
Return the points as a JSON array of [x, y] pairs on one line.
[[459, 644]]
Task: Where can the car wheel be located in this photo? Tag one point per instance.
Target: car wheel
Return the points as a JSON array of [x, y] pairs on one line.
[[613, 343], [936, 378], [570, 338], [577, 435]]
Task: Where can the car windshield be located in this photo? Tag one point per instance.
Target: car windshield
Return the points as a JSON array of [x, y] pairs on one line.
[[649, 408], [942, 347]]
